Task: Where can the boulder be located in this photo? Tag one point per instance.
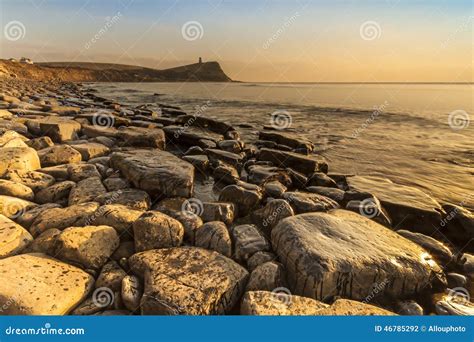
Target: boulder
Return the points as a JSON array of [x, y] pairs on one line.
[[142, 137], [32, 179], [59, 154], [267, 277], [131, 198], [116, 215], [44, 243], [116, 183], [157, 172], [408, 207], [305, 202], [111, 277], [89, 247], [307, 165], [131, 292], [34, 284], [54, 193], [214, 236], [60, 130], [248, 240], [13, 237], [458, 225], [40, 143], [15, 189], [87, 190], [218, 211], [269, 216], [286, 138], [157, 230], [60, 218], [26, 219], [188, 281], [91, 150], [13, 207], [244, 199], [332, 193], [329, 254], [18, 158], [78, 172], [321, 179]]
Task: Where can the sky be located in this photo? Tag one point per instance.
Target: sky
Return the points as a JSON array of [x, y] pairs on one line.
[[257, 41]]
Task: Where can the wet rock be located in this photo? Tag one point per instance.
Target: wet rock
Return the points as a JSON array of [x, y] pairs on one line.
[[332, 193], [408, 207], [269, 216], [267, 277], [194, 150], [111, 277], [209, 124], [248, 240], [59, 154], [307, 165], [39, 285], [214, 236], [32, 179], [288, 139], [274, 189], [78, 172], [60, 130], [233, 159], [91, 150], [131, 292], [264, 303], [409, 308], [44, 243], [188, 280], [157, 230], [89, 246], [456, 280], [298, 180], [458, 225], [40, 143], [54, 193], [440, 253], [18, 158], [116, 215], [348, 263], [192, 136], [60, 218], [371, 208], [261, 174], [321, 179], [157, 172], [131, 198], [13, 237], [244, 199], [453, 303], [14, 189], [233, 146], [218, 211], [87, 190], [305, 202], [200, 162], [225, 174]]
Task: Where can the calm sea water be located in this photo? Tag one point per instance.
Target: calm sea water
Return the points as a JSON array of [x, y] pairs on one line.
[[414, 134]]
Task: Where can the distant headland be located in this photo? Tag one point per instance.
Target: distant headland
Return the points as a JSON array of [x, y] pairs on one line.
[[106, 72]]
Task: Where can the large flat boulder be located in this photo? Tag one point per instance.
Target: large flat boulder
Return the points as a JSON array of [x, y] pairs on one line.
[[13, 207], [13, 237], [301, 163], [155, 171], [142, 137], [408, 207], [286, 138], [345, 254], [189, 281], [59, 130], [18, 158], [58, 155], [34, 284]]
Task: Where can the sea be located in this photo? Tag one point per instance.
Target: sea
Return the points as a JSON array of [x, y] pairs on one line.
[[420, 135]]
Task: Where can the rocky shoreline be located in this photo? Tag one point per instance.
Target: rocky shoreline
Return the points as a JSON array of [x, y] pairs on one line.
[[107, 209]]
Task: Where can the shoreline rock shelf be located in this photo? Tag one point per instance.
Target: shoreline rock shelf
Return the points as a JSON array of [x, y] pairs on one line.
[[171, 214]]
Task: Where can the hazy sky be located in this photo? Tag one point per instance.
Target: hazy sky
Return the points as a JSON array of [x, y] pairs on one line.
[[385, 40]]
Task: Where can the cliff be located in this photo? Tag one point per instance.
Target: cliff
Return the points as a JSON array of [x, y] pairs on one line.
[[104, 72]]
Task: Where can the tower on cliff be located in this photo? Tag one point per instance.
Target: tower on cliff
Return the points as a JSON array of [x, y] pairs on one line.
[[200, 60]]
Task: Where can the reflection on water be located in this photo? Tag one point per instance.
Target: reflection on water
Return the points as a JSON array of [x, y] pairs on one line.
[[399, 131]]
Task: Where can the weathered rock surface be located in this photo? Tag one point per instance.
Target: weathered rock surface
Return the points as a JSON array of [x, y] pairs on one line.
[[157, 230], [91, 150], [14, 189], [304, 164], [408, 207], [305, 202], [88, 246], [248, 240], [214, 236], [87, 190], [18, 158], [188, 280], [131, 198], [329, 254], [54, 193], [13, 237], [13, 207], [157, 172], [32, 179], [60, 130], [34, 284], [267, 277], [244, 199], [131, 292], [111, 277], [218, 211], [116, 215], [59, 154]]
